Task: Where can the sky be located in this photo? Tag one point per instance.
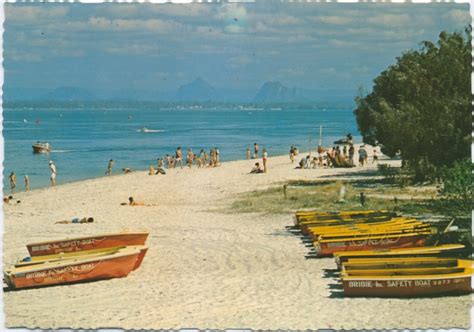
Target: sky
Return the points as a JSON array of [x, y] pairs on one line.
[[236, 46]]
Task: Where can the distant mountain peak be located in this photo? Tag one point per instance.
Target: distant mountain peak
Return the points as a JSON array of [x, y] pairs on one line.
[[275, 91], [69, 93], [197, 90]]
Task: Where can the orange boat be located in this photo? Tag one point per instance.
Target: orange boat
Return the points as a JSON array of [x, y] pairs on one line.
[[81, 268], [331, 246], [87, 243], [410, 282]]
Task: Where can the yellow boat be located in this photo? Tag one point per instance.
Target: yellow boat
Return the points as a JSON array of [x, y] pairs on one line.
[[68, 255], [327, 247], [427, 282], [340, 216], [340, 213], [366, 227], [399, 263], [374, 233], [342, 257], [449, 266]]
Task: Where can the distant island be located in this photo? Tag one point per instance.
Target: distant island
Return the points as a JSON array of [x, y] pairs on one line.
[[200, 92]]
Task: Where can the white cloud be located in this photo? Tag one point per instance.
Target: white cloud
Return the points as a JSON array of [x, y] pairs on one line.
[[336, 20], [22, 56], [231, 11], [390, 20], [233, 28], [174, 9], [459, 16], [278, 20], [17, 13], [105, 24], [291, 72], [132, 49], [240, 61]]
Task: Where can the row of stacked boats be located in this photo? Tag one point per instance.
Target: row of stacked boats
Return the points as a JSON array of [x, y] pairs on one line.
[[379, 253], [78, 259]]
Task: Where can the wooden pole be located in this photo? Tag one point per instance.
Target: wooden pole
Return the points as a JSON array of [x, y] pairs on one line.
[[309, 146], [445, 231], [320, 134]]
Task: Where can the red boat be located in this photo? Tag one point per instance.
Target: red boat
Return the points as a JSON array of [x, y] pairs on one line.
[[86, 243], [449, 281], [81, 268], [329, 247]]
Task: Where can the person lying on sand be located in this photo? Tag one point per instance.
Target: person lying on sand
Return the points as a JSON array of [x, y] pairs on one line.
[[127, 170], [133, 202], [257, 169], [84, 220], [9, 200]]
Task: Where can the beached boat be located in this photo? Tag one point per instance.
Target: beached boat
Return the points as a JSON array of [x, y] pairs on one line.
[[329, 247], [315, 231], [355, 234], [313, 216], [439, 251], [39, 147], [81, 268], [305, 224], [410, 282], [398, 263], [66, 255], [86, 243]]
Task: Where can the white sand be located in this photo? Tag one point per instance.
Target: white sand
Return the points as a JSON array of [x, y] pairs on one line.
[[204, 269]]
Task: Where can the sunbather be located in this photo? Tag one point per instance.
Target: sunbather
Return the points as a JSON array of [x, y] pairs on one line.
[[84, 220]]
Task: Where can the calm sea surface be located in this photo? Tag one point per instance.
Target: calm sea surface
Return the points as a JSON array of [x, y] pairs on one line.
[[84, 140]]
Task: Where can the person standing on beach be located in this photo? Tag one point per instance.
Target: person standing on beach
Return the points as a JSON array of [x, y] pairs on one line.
[[265, 159], [52, 168], [255, 150], [160, 169], [248, 154], [362, 156], [218, 156], [179, 157], [27, 183], [190, 158], [375, 156], [292, 154], [168, 161], [351, 154], [12, 182], [109, 167]]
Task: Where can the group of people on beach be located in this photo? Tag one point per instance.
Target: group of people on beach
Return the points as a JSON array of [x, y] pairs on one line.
[[203, 159], [257, 169], [334, 157]]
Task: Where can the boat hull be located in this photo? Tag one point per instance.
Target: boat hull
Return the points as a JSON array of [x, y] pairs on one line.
[[76, 271], [41, 149], [439, 285], [86, 243], [324, 249]]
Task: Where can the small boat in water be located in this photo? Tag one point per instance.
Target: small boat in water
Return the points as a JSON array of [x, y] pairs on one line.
[[114, 264], [86, 243], [40, 147]]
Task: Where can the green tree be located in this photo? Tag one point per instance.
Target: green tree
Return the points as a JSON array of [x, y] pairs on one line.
[[421, 106]]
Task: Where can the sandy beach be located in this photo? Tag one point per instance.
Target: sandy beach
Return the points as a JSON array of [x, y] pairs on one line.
[[205, 268]]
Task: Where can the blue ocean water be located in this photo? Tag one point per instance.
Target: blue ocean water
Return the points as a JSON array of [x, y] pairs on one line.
[[84, 140]]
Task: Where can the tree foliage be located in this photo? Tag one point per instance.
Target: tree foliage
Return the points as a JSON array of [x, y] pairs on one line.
[[457, 189], [421, 107]]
